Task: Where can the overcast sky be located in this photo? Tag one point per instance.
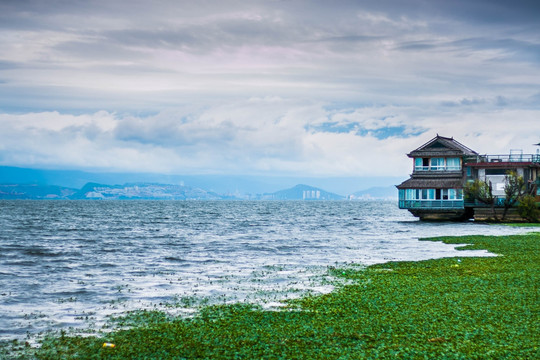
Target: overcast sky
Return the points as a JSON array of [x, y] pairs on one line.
[[318, 88]]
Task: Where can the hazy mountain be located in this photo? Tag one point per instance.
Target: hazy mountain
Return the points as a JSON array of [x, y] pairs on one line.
[[376, 193], [34, 191], [302, 192]]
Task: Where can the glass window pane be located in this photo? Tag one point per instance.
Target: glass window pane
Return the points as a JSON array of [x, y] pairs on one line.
[[453, 164], [437, 163]]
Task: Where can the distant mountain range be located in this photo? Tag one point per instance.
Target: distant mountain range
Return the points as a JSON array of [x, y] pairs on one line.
[[140, 191], [34, 191], [93, 191], [21, 183]]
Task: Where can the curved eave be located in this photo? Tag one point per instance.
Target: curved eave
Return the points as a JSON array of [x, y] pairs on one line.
[[438, 153], [423, 183]]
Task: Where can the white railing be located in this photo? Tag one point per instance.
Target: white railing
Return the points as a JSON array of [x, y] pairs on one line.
[[527, 158], [437, 168], [431, 204]]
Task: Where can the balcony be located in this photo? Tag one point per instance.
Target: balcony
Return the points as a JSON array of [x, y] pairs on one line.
[[508, 158], [431, 204], [438, 168], [498, 202]]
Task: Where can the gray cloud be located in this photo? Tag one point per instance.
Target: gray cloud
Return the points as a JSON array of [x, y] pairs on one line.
[[467, 102], [202, 38], [417, 45], [104, 51], [7, 65], [175, 133], [296, 83], [510, 48], [522, 13]]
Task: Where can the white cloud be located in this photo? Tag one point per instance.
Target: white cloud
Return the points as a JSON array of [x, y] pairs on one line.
[[273, 136]]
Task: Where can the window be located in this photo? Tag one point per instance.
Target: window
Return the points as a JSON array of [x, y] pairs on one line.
[[441, 194], [431, 194], [496, 171], [437, 164], [421, 164], [444, 194], [453, 164], [455, 194]]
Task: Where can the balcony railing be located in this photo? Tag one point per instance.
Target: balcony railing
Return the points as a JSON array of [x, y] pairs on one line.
[[498, 202], [437, 168], [431, 204], [527, 158]]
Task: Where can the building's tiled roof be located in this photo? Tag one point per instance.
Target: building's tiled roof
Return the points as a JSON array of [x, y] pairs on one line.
[[442, 146], [432, 183]]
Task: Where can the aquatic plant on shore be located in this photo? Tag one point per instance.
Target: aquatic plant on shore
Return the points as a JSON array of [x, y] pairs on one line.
[[452, 308]]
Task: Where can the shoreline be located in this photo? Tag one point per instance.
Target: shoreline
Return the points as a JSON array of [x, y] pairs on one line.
[[459, 307]]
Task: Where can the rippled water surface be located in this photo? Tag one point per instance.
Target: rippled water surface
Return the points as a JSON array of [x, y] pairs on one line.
[[70, 263]]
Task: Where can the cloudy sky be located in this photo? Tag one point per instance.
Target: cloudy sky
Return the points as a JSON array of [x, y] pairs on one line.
[[318, 88]]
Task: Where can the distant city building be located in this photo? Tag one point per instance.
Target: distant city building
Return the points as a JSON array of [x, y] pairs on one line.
[[311, 195]]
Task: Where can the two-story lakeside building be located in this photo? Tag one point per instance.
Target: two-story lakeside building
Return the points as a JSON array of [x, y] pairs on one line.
[[435, 188], [442, 167]]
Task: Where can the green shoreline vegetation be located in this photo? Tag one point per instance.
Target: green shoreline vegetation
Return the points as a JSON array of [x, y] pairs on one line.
[[450, 308]]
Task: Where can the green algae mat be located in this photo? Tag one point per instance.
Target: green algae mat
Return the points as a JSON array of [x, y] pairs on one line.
[[453, 308]]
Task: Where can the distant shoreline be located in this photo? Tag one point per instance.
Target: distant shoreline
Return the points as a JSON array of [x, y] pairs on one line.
[[158, 191]]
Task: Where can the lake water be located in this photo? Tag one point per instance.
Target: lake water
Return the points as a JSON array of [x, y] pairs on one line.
[[67, 264]]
